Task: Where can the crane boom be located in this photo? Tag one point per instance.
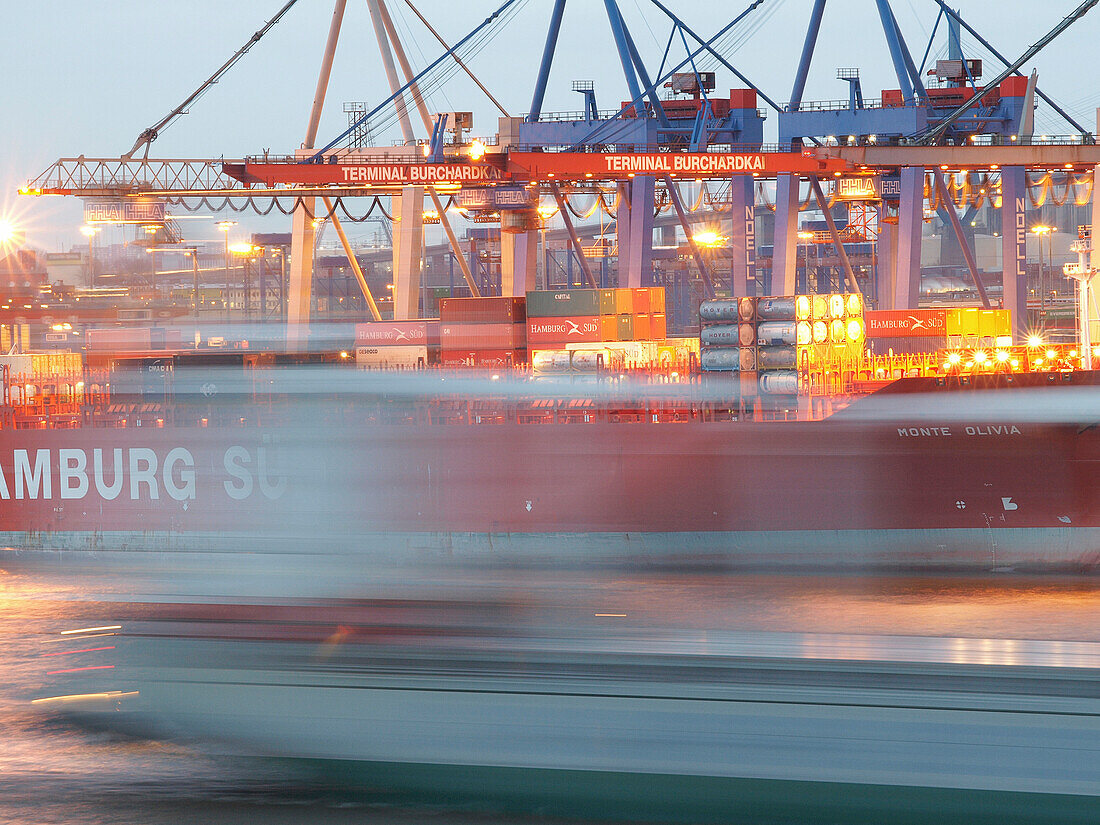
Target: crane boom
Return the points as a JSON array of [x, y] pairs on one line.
[[150, 134]]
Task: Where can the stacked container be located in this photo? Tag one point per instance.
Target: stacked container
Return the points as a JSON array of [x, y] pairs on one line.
[[929, 330], [483, 332], [777, 338], [397, 344]]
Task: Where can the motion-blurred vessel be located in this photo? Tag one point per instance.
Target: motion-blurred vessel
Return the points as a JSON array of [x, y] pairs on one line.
[[985, 472]]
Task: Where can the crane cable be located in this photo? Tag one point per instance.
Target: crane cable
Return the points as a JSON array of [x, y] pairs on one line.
[[151, 134]]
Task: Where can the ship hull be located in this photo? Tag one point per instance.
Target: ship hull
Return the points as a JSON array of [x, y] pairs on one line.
[[665, 729], [1032, 549]]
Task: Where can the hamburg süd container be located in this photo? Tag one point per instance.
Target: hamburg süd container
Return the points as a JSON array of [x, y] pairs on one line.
[[403, 333], [555, 330]]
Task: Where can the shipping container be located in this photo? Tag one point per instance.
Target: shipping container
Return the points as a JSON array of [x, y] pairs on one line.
[[775, 333], [803, 332], [624, 301], [776, 358], [747, 357], [486, 358], [779, 383], [609, 328], [404, 333], [490, 310], [722, 335], [720, 310], [607, 302], [392, 357], [724, 359], [551, 360], [564, 303], [554, 330], [625, 326], [656, 299], [482, 336], [902, 323], [588, 361], [641, 327], [658, 326], [907, 344], [746, 308], [777, 309]]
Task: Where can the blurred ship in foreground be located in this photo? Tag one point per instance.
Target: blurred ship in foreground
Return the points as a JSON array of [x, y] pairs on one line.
[[396, 575]]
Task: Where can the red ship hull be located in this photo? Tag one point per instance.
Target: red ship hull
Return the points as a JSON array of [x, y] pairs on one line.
[[897, 491]]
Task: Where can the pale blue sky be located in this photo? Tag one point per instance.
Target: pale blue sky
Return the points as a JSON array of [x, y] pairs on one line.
[[86, 78]]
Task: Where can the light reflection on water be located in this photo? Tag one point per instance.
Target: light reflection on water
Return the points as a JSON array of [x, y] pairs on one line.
[[52, 773]]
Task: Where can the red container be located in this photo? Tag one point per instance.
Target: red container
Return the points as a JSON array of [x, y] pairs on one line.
[[397, 333], [482, 336], [487, 358], [567, 330], [493, 310], [1015, 86], [906, 323], [641, 327], [658, 329], [891, 97], [656, 299], [742, 98]]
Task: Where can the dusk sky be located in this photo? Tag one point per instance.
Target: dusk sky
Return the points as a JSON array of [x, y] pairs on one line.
[[86, 78]]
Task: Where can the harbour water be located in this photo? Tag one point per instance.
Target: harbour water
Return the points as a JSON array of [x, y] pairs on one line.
[[53, 773]]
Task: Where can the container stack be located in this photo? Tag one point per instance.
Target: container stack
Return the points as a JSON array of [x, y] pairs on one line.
[[483, 332], [780, 340], [929, 330], [43, 377], [556, 318], [396, 344]]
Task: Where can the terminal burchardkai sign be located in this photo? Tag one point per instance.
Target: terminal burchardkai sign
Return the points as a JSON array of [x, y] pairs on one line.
[[529, 166]]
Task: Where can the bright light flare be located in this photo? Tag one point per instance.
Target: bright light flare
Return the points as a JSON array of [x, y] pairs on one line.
[[477, 150], [708, 238]]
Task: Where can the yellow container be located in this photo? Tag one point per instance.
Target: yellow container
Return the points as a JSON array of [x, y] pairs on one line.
[[624, 301]]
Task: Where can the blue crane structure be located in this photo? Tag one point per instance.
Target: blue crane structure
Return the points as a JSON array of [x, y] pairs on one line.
[[954, 111], [919, 126]]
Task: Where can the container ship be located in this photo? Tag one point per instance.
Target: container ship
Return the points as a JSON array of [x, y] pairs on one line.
[[774, 441], [397, 574]]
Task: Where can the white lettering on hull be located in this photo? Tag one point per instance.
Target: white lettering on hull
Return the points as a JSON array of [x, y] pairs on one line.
[[140, 471]]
